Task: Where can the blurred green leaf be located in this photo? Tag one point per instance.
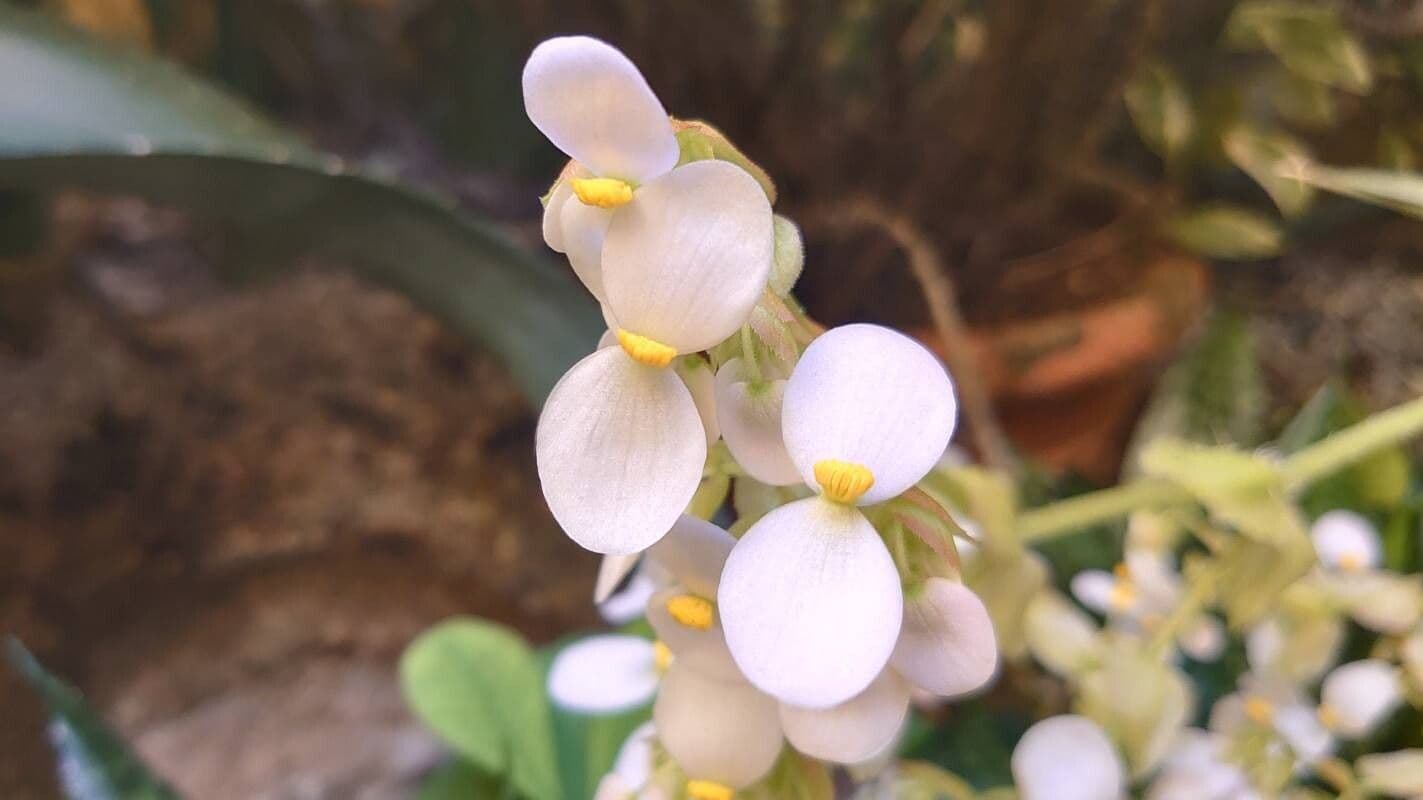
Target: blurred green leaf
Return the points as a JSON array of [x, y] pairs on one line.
[[84, 115], [1379, 481], [479, 687], [977, 746], [1238, 488], [1300, 100], [1272, 159], [588, 745], [1212, 394], [1399, 191], [1227, 232], [94, 763], [1309, 39], [459, 780], [1160, 109]]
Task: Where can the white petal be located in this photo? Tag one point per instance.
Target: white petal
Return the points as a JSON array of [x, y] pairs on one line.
[[694, 551], [1059, 634], [583, 230], [1203, 639], [1345, 540], [636, 757], [702, 650], [870, 396], [853, 731], [811, 603], [630, 603], [1301, 729], [697, 374], [1067, 757], [750, 419], [594, 105], [686, 261], [553, 215], [611, 572], [603, 674], [1396, 774], [620, 452], [1360, 695], [1094, 588], [1381, 601], [946, 645], [719, 731]]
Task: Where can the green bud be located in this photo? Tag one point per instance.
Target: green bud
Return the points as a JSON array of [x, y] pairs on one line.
[[789, 257]]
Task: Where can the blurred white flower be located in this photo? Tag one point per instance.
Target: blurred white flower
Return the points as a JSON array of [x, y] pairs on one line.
[[1295, 647], [621, 443], [1264, 703], [1196, 769], [810, 598], [1357, 696], [1345, 541], [631, 776], [1141, 593], [604, 674], [1067, 757]]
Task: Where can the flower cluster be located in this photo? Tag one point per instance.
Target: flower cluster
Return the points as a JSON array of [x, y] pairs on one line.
[[827, 600]]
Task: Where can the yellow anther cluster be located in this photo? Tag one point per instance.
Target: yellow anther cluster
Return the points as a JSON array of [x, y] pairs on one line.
[[602, 192], [1123, 595], [709, 790], [661, 656], [644, 350], [1351, 562], [691, 611], [1259, 710], [1328, 717], [842, 481]]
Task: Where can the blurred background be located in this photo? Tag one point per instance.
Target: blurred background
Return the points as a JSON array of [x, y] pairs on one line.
[[240, 469]]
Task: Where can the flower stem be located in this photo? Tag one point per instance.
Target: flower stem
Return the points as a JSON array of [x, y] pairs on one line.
[[1319, 460], [748, 355]]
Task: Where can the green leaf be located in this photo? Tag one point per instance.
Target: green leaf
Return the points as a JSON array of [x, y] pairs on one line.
[[1212, 394], [1227, 232], [1160, 109], [94, 763], [1399, 191], [1238, 488], [1272, 159], [588, 745], [479, 687], [1309, 39], [459, 780], [80, 114], [1300, 100]]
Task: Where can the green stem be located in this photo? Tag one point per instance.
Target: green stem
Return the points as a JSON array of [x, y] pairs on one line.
[[1320, 459], [748, 355]]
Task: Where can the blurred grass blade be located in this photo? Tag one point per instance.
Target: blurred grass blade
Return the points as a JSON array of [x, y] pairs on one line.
[[1160, 109], [81, 114], [1310, 39], [1399, 191], [1227, 232], [94, 764]]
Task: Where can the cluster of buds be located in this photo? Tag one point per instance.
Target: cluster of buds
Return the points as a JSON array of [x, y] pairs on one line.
[[831, 595]]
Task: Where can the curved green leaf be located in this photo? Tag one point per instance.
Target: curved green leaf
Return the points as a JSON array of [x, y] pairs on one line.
[[81, 114], [479, 687], [94, 763], [1227, 232]]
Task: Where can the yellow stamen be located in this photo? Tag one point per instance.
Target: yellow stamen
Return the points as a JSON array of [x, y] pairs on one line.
[[842, 481], [661, 656], [644, 350], [1121, 571], [1123, 595], [1328, 717], [602, 192], [1259, 710], [709, 790], [1351, 562], [691, 611]]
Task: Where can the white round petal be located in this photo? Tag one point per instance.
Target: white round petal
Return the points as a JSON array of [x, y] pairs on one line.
[[620, 451], [630, 603], [853, 731], [611, 572], [702, 650], [553, 215], [637, 756], [583, 230], [750, 419], [1360, 695], [870, 396], [1345, 540], [603, 674], [1094, 588], [1301, 729], [946, 645], [694, 551], [1067, 757], [1203, 639], [594, 105], [719, 731], [811, 603], [701, 382], [686, 261]]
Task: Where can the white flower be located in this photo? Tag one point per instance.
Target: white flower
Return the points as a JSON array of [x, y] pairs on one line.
[[1067, 757], [725, 735], [1296, 648], [946, 644], [810, 598], [604, 674], [1141, 594], [854, 731], [1264, 702], [1346, 542], [1196, 769], [748, 412], [1359, 695], [621, 443], [631, 777]]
